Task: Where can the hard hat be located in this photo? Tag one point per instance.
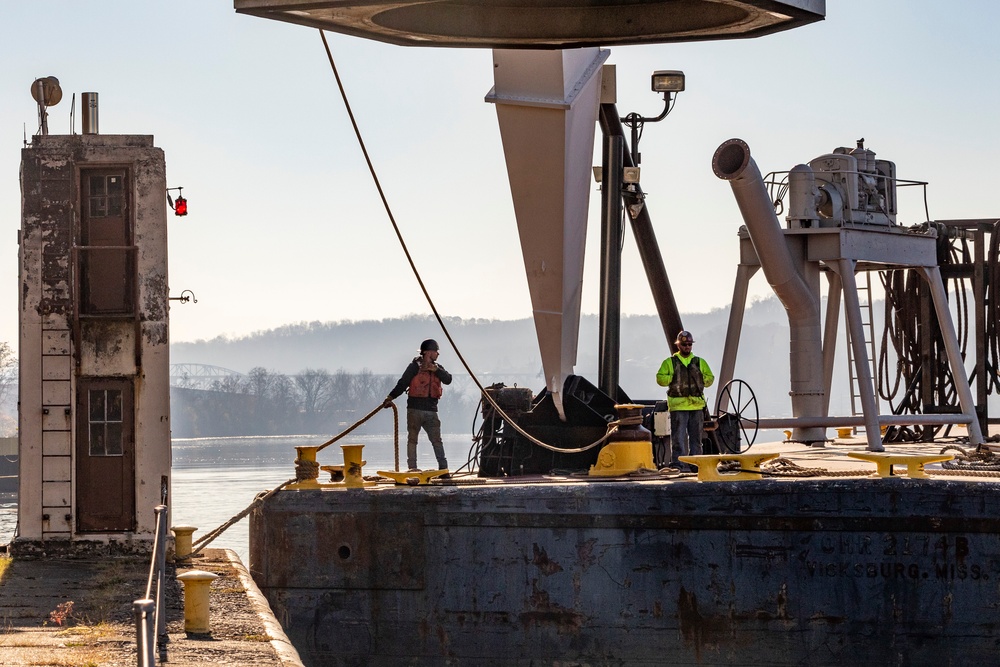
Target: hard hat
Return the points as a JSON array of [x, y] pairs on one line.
[[429, 345], [684, 336]]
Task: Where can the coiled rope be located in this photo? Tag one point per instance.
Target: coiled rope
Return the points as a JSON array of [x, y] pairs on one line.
[[902, 362], [981, 463], [420, 282], [782, 467]]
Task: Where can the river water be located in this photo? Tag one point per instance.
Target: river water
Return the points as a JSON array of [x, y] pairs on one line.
[[216, 478]]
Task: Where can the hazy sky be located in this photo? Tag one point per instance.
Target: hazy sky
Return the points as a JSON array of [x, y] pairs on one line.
[[286, 226]]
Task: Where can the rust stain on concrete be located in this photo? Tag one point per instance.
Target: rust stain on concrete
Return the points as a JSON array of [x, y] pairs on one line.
[[543, 563], [544, 612]]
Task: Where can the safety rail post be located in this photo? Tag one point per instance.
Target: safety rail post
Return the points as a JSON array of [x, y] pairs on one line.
[[160, 551], [150, 620], [144, 610]]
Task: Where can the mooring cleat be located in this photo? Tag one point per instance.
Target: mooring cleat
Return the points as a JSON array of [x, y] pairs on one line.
[[423, 477], [336, 472], [708, 466], [914, 462]]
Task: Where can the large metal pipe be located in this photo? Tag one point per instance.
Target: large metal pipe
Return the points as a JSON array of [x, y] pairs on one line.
[[732, 162], [91, 124]]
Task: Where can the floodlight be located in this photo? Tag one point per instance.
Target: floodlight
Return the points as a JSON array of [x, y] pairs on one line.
[[667, 81]]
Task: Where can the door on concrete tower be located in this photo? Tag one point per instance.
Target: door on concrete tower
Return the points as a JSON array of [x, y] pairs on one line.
[[105, 455], [106, 255]]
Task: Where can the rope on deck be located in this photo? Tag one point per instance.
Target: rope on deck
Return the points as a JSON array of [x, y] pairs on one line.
[[782, 467], [977, 463]]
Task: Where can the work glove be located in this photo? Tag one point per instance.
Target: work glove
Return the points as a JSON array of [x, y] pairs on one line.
[[387, 403]]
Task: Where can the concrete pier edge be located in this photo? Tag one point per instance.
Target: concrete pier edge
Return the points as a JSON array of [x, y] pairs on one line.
[[287, 654]]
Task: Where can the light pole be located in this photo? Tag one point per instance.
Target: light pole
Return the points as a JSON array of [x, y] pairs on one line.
[[616, 186]]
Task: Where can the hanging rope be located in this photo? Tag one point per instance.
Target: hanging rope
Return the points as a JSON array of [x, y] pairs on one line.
[[208, 538], [420, 282], [304, 470], [395, 419]]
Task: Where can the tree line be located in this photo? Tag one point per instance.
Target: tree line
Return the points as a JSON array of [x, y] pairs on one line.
[[8, 390], [313, 401]]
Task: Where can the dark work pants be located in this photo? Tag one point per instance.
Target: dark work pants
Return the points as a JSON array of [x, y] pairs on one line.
[[429, 421], [686, 432]]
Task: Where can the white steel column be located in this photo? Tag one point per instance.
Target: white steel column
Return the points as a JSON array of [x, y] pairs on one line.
[[547, 105], [737, 309], [865, 384], [932, 274], [830, 333]]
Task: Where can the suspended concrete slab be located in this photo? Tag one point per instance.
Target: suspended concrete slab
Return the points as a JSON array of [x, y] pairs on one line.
[[540, 24]]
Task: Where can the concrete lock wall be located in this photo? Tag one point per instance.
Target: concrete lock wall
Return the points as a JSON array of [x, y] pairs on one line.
[[764, 573]]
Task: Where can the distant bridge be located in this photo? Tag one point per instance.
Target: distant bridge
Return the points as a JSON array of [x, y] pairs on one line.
[[199, 376]]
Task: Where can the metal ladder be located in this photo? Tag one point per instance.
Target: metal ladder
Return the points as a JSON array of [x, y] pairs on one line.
[[867, 325]]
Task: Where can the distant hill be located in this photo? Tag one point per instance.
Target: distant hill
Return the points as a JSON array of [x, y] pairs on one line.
[[507, 351]]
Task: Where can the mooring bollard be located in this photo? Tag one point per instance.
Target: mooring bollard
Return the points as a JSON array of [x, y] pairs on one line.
[[182, 540], [353, 465], [197, 584]]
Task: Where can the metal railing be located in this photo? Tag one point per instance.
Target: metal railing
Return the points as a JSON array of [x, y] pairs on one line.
[[150, 621]]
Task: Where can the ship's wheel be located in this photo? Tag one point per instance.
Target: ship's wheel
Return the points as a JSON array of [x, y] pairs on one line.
[[738, 424]]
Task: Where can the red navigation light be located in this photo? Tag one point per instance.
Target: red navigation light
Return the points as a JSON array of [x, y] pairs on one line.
[[181, 206]]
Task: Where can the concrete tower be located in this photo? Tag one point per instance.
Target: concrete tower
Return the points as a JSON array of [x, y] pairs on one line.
[[94, 347]]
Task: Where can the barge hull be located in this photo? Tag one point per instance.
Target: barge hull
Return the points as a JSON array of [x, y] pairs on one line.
[[828, 572]]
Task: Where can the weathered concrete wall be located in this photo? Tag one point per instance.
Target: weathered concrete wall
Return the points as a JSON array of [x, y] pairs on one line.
[[893, 572], [50, 360]]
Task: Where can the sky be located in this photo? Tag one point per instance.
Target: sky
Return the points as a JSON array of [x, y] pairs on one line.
[[284, 222]]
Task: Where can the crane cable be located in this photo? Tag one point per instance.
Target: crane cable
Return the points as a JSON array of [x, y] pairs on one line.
[[612, 426]]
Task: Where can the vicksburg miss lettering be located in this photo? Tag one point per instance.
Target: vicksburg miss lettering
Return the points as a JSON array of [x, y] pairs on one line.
[[890, 556]]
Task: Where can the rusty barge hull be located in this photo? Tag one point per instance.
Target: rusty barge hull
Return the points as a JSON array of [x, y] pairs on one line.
[[772, 572]]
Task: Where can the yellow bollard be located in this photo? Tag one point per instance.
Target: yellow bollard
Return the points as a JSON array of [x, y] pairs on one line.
[[629, 448], [197, 585], [346, 476], [708, 466], [884, 461], [353, 465], [182, 540], [306, 468]]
